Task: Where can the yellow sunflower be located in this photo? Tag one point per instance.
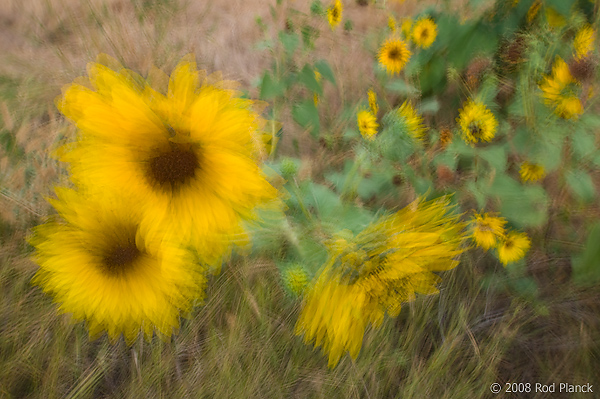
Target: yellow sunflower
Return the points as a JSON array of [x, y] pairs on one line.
[[393, 55], [413, 121], [334, 14], [512, 247], [367, 124], [584, 41], [406, 27], [531, 172], [559, 91], [487, 230], [373, 101], [533, 10], [477, 122], [392, 23], [102, 268], [190, 156], [375, 272], [424, 32]]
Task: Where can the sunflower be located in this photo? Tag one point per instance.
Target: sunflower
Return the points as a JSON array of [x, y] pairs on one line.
[[392, 23], [412, 120], [190, 156], [102, 268], [424, 32], [334, 14], [393, 55], [367, 124], [373, 101], [559, 91], [375, 272], [406, 27], [531, 172], [487, 230], [477, 122], [584, 41], [512, 247], [533, 10]]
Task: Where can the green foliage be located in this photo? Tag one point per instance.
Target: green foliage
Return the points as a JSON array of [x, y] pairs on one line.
[[581, 184], [306, 115], [586, 265]]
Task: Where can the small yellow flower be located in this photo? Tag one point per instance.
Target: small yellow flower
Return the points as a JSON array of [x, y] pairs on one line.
[[334, 14], [487, 229], [533, 10], [373, 101], [393, 55], [424, 32], [367, 124], [512, 247], [584, 42], [392, 23], [559, 91], [477, 122], [531, 172], [318, 78], [413, 121]]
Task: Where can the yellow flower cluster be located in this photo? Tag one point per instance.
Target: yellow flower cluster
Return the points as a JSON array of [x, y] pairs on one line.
[[488, 232], [166, 171], [375, 272], [559, 91]]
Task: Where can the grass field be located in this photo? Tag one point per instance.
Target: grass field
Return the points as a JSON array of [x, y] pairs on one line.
[[482, 328]]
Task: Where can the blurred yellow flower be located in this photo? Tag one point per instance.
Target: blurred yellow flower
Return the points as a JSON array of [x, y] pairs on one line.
[[558, 91], [512, 247], [533, 10], [584, 41], [412, 120], [555, 19], [101, 267], [373, 101], [375, 272], [487, 230], [392, 23], [406, 27], [393, 55], [334, 14], [477, 122], [189, 156], [318, 78], [424, 32], [531, 172], [367, 124]]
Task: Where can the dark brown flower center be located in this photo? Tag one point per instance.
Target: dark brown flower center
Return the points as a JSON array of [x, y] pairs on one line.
[[475, 130], [174, 168], [335, 13], [424, 34], [394, 53], [120, 258]]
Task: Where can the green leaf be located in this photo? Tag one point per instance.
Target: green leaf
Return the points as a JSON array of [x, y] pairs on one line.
[[290, 42], [562, 6], [307, 116], [307, 78], [403, 88], [495, 156], [581, 184], [523, 206], [325, 70], [270, 88], [586, 266], [583, 143], [433, 76], [477, 192], [430, 106]]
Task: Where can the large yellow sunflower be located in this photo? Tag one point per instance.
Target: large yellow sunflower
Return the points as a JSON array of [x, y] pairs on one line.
[[188, 155], [101, 267], [375, 272], [477, 122], [424, 32], [559, 91], [393, 55]]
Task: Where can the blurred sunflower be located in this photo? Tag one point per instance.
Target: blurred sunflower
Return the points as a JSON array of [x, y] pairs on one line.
[[190, 156], [334, 14], [477, 123], [554, 18], [412, 120], [373, 101], [531, 172], [487, 230], [533, 10], [584, 41], [318, 78], [375, 272], [393, 55], [512, 247], [424, 32], [392, 23], [367, 124], [559, 91], [406, 27], [100, 266]]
